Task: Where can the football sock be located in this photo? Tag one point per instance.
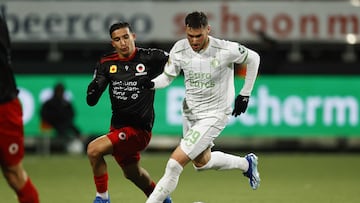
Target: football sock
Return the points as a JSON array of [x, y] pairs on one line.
[[222, 161], [101, 183], [167, 183], [28, 193], [149, 189], [103, 195]]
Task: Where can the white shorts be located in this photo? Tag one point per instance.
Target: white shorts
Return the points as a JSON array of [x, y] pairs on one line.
[[199, 134]]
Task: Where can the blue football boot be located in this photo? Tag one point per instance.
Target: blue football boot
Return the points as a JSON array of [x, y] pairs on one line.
[[168, 200], [100, 200], [252, 173]]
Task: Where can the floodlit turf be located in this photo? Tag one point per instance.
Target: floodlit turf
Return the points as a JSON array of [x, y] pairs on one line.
[[286, 178]]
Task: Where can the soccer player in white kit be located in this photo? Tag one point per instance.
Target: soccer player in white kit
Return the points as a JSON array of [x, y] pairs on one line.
[[208, 67]]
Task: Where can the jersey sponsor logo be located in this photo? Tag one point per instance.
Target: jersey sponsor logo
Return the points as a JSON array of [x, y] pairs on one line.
[[201, 80], [113, 69], [134, 96], [140, 68]]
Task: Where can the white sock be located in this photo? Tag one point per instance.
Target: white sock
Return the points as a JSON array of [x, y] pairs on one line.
[[221, 161], [167, 183], [104, 195]]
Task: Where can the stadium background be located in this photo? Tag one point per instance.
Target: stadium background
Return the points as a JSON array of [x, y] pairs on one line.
[[305, 102], [306, 97]]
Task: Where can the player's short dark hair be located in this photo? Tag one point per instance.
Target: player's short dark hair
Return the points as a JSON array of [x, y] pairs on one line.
[[196, 19], [119, 25]]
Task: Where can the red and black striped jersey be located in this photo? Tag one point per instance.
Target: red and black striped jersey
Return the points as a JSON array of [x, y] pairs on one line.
[[131, 105]]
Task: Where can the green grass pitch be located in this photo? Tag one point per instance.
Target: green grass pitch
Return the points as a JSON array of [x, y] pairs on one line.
[[286, 178]]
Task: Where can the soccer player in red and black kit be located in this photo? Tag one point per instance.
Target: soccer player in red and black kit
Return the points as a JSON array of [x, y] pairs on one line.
[[11, 126], [132, 109]]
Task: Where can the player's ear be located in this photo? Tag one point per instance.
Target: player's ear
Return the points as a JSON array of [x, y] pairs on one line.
[[134, 36], [208, 29]]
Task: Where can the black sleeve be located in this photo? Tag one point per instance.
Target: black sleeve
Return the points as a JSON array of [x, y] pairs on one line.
[[8, 89], [4, 44], [161, 59], [97, 86]]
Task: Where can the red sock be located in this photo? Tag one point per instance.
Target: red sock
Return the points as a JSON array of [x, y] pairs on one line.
[[150, 189], [101, 183], [28, 194]]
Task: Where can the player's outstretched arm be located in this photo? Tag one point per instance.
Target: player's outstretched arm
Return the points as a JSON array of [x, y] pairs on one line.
[[253, 61], [242, 100], [161, 81]]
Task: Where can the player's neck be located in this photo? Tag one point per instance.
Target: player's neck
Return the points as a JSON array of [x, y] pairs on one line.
[[206, 44], [129, 56]]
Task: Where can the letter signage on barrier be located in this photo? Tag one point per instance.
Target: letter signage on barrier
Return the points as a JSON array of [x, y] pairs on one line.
[[86, 21], [280, 106]]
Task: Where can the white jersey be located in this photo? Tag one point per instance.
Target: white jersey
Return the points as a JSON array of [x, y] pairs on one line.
[[208, 75]]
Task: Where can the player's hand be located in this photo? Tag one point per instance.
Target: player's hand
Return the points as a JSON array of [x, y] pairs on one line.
[[241, 103], [145, 83]]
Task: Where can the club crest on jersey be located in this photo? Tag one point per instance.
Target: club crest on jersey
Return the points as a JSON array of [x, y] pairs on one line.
[[113, 69], [140, 68], [122, 136], [215, 63], [13, 148]]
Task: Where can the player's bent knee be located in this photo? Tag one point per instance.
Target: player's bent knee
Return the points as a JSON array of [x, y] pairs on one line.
[[202, 167], [92, 150]]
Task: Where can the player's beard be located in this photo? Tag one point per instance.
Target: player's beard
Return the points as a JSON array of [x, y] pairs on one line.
[[197, 47]]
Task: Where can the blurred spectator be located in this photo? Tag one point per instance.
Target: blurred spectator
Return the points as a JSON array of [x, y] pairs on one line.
[[270, 57], [58, 113]]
